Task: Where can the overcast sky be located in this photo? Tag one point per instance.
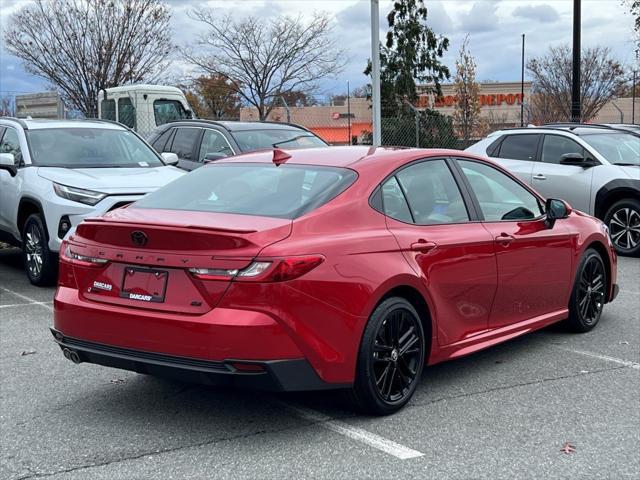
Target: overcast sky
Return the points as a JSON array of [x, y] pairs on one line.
[[494, 28]]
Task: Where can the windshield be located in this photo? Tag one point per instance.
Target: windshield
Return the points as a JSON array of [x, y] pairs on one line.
[[249, 140], [89, 148], [287, 191], [619, 148]]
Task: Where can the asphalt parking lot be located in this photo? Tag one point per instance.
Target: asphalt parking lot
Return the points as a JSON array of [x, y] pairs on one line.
[[503, 413]]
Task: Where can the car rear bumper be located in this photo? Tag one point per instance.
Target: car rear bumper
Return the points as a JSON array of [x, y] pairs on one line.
[[270, 375]]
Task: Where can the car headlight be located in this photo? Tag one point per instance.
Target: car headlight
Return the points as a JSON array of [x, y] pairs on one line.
[[88, 197]]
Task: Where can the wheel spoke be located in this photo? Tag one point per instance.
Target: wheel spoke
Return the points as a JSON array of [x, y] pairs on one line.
[[390, 381], [384, 375]]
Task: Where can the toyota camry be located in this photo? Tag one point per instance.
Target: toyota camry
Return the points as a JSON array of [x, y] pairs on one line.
[[343, 268]]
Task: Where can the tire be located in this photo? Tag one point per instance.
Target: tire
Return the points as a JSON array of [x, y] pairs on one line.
[[589, 293], [623, 220], [39, 263], [375, 391]]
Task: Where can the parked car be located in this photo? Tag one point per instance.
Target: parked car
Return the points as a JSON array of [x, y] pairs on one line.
[[54, 173], [594, 168], [198, 141], [298, 270]]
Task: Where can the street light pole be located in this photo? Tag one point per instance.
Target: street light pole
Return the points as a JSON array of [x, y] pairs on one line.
[[522, 86], [375, 71], [349, 112], [575, 81]]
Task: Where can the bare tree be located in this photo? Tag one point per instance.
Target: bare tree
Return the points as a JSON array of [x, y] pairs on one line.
[[602, 79], [466, 110], [266, 58], [82, 46]]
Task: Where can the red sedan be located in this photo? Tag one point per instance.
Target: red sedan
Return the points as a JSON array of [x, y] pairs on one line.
[[328, 268]]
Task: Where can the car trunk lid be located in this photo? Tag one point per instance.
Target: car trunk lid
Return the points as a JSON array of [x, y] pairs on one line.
[[148, 255]]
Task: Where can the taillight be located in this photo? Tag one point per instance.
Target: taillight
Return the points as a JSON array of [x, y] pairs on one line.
[[67, 254], [263, 270]]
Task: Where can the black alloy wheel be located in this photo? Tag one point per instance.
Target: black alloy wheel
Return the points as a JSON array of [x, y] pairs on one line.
[[623, 221], [589, 293], [391, 357]]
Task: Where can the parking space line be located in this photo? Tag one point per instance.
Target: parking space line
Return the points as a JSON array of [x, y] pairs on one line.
[[359, 434], [620, 361], [32, 301], [25, 304]]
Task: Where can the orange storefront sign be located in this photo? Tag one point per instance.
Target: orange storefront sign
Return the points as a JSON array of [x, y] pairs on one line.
[[495, 99]]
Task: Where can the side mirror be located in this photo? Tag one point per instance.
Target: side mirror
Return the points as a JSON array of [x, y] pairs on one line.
[[212, 157], [8, 163], [576, 159], [170, 158], [556, 210]]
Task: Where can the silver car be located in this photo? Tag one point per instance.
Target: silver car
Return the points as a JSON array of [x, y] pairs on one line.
[[594, 168], [54, 173]]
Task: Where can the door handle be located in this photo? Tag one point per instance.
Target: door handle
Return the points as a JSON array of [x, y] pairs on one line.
[[505, 239], [539, 176], [423, 246]]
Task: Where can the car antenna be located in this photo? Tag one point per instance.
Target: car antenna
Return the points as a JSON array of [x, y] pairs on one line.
[[280, 156]]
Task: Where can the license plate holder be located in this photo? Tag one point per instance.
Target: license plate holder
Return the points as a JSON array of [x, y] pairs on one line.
[[144, 284]]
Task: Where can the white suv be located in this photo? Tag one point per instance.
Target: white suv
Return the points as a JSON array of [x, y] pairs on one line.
[[54, 173], [593, 167]]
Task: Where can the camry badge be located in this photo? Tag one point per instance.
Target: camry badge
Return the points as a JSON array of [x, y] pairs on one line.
[[139, 238]]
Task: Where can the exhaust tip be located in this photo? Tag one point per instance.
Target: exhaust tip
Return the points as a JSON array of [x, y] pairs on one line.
[[74, 357], [67, 353]]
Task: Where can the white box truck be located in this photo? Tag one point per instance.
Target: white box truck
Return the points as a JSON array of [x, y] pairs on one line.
[[143, 107]]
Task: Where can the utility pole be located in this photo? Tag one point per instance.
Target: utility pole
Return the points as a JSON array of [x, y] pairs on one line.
[[375, 71], [576, 113], [349, 111], [522, 86], [633, 99]]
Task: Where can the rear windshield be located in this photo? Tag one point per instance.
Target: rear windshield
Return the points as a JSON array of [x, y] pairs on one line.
[[89, 148], [287, 191], [249, 140]]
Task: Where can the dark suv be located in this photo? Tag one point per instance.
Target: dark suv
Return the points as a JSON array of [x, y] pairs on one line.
[[197, 141]]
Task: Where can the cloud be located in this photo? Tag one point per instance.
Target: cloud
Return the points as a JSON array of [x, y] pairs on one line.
[[481, 18], [495, 29], [541, 13]]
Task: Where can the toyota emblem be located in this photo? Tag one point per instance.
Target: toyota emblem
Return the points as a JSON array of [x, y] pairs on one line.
[[139, 238]]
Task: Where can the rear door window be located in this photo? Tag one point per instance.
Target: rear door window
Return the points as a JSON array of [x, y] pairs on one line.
[[519, 147], [554, 146], [184, 142], [432, 193]]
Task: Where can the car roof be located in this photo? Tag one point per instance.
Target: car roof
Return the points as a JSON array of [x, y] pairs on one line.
[[234, 126], [578, 129], [42, 123], [355, 157]]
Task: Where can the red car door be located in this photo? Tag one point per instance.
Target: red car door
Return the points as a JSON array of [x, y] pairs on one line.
[[454, 257], [534, 261]]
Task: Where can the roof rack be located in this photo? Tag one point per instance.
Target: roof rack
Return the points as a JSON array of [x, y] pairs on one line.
[[219, 122], [573, 125], [20, 121], [114, 122]]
